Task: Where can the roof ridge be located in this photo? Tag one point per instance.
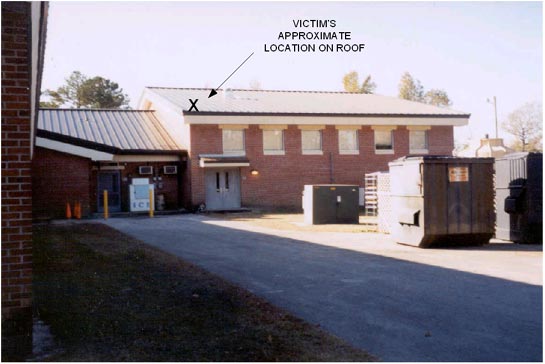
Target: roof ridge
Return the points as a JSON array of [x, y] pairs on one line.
[[245, 89], [81, 109]]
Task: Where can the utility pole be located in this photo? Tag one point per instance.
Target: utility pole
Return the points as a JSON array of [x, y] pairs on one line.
[[495, 113]]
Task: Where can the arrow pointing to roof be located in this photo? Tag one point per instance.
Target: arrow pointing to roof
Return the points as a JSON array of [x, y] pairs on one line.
[[214, 92]]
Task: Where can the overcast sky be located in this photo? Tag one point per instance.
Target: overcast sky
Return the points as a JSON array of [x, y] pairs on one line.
[[471, 50]]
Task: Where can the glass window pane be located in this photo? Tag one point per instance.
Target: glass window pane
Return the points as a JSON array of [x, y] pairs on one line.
[[233, 140], [348, 140], [383, 140], [273, 140], [418, 139], [311, 139]]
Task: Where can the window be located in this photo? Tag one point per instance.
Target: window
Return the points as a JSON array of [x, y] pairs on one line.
[[273, 142], [311, 141], [348, 142], [233, 142], [384, 141], [418, 141]]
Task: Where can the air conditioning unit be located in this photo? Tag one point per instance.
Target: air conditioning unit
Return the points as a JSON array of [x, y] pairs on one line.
[[145, 170], [170, 169]]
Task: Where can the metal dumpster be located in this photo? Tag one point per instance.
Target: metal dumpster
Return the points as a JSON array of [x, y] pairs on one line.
[[331, 204], [519, 198], [442, 200]]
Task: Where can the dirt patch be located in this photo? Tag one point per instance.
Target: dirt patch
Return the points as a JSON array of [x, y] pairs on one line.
[[108, 297], [295, 222]]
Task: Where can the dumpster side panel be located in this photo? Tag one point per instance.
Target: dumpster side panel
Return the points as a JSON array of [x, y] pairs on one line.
[[408, 221], [519, 198], [435, 199], [482, 185]]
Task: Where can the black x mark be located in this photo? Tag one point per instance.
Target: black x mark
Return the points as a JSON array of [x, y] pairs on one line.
[[193, 105]]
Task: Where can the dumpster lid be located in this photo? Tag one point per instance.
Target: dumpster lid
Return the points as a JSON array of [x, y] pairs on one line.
[[440, 159]]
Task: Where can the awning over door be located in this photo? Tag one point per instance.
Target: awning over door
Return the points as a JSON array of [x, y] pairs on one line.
[[220, 160]]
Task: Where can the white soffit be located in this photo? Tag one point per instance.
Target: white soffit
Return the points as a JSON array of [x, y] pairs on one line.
[[73, 149], [328, 120]]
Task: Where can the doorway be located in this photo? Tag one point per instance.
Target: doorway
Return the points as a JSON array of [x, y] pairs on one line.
[[222, 189], [110, 182]]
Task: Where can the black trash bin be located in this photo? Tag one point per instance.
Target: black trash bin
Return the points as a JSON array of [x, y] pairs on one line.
[[442, 200], [519, 198]]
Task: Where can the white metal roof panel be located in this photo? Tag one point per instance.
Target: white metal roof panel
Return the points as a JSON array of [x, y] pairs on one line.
[[298, 102]]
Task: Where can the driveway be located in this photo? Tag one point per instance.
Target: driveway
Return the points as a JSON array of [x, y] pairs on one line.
[[399, 303]]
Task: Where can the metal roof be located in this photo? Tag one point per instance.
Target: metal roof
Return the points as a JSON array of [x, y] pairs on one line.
[[238, 101], [114, 130]]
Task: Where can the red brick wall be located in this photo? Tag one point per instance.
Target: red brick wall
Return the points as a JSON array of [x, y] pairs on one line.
[[58, 178], [281, 178], [16, 183]]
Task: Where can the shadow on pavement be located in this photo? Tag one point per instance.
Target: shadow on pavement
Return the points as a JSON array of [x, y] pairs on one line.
[[395, 309]]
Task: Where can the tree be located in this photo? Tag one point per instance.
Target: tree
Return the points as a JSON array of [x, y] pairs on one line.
[[437, 97], [351, 84], [99, 92], [82, 92], [410, 89], [368, 86], [525, 123]]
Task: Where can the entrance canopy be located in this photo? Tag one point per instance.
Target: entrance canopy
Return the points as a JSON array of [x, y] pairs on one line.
[[221, 160]]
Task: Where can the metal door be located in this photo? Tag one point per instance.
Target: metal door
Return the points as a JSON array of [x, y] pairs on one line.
[[109, 181], [222, 189]]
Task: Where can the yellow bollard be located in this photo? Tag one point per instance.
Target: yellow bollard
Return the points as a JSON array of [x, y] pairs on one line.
[[151, 203], [105, 204]]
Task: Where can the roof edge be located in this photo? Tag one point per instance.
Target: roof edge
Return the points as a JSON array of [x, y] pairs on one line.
[[223, 113], [76, 109], [102, 147]]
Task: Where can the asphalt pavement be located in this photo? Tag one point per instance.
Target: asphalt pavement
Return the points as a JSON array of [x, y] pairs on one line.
[[375, 295]]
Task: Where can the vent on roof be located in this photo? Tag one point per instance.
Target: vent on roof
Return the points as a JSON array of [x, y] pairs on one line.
[[170, 169], [229, 94], [145, 170]]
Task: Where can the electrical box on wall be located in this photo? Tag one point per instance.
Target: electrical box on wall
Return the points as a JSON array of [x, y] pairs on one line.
[[145, 170], [170, 169]]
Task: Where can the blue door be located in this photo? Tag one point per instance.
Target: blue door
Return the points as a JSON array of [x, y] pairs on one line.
[[109, 181]]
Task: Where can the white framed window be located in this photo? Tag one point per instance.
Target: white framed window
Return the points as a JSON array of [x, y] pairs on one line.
[[233, 142], [418, 141], [348, 142], [384, 141], [273, 142], [311, 141]]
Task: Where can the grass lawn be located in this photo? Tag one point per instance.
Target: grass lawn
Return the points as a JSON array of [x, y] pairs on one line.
[[108, 297], [295, 222]]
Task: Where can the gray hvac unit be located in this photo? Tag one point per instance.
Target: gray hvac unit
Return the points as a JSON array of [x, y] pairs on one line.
[[331, 204], [519, 198], [442, 200]]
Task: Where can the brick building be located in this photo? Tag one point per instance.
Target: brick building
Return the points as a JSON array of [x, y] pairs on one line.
[[80, 153], [259, 148], [23, 42]]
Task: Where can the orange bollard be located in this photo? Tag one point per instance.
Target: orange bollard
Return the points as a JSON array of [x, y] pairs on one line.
[[68, 211]]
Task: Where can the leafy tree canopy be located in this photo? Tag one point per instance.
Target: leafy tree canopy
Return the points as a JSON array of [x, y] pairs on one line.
[[526, 125], [351, 84], [79, 91], [411, 89]]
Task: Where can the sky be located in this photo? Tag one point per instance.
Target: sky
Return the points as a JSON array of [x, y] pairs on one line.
[[472, 50]]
